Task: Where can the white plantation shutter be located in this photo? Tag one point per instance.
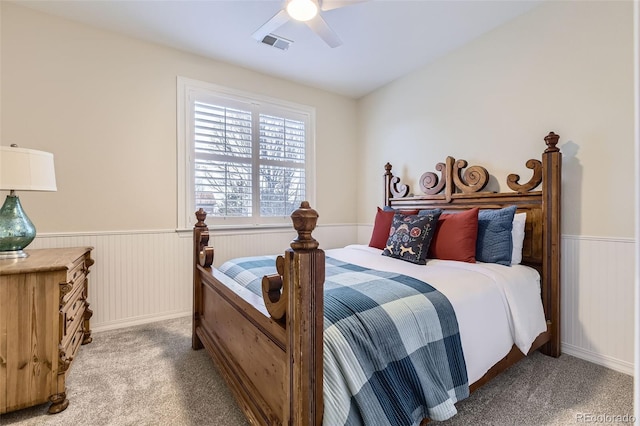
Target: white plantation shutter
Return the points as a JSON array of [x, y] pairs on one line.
[[249, 157], [282, 160], [223, 160]]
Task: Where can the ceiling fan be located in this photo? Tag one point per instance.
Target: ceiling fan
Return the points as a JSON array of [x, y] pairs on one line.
[[309, 12]]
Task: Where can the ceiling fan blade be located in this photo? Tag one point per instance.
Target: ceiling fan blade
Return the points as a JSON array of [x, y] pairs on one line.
[[320, 27], [271, 25], [335, 4]]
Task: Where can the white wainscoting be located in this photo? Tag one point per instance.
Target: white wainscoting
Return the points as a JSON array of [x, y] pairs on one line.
[[145, 276], [137, 277], [597, 298]]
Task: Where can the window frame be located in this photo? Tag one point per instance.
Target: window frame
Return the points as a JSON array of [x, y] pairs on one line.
[[189, 90]]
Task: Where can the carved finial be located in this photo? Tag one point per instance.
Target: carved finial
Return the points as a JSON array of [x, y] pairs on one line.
[[551, 140], [304, 221], [387, 168], [201, 215]]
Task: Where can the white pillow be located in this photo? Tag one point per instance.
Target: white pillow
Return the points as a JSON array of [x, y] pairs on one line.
[[517, 235]]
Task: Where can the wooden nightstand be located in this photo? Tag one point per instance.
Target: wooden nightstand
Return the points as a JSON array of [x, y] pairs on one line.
[[44, 318]]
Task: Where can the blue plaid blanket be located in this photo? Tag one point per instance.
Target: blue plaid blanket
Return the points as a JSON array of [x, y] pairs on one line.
[[392, 351]]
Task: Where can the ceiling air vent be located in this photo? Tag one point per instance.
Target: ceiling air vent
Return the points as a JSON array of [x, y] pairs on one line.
[[276, 41]]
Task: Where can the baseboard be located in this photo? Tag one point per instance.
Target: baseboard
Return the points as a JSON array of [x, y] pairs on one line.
[[146, 319], [604, 360]]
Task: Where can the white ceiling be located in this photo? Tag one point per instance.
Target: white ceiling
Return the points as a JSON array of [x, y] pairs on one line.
[[383, 39]]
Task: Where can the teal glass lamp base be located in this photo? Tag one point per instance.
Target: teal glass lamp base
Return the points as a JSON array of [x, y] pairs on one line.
[[16, 230]]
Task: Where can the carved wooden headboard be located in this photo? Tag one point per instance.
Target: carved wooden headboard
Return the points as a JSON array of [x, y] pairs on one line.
[[459, 189]]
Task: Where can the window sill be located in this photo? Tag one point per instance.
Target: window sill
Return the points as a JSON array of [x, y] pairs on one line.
[[240, 229]]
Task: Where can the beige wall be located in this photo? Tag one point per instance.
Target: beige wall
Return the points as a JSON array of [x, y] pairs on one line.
[[565, 66], [105, 105]]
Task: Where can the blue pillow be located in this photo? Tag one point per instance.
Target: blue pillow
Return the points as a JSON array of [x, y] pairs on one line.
[[410, 237], [495, 243], [429, 211], [402, 211]]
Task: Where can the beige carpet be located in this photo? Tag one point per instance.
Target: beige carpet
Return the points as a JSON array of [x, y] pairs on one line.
[[148, 375], [144, 375]]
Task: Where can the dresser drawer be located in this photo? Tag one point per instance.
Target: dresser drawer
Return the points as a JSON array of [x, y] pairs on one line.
[[71, 314], [70, 347], [75, 282], [72, 295]]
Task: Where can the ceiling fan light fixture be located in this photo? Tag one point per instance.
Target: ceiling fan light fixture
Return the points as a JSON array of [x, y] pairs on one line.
[[302, 10]]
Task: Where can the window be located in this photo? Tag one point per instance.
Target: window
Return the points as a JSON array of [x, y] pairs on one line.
[[244, 159]]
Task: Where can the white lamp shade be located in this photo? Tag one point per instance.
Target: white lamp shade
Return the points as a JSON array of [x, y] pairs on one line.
[[24, 169]]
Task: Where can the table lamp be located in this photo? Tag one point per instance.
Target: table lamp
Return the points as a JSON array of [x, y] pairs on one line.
[[21, 170]]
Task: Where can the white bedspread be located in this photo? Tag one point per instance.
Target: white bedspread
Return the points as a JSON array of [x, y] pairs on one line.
[[496, 305]]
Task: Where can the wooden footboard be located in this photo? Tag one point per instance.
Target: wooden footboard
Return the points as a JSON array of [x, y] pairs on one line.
[[270, 351], [248, 347], [271, 358]]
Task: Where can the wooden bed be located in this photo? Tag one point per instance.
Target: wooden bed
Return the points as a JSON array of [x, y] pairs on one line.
[[270, 351]]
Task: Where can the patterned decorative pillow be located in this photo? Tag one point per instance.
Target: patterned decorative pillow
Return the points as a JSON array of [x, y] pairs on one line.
[[382, 224], [495, 242], [410, 237]]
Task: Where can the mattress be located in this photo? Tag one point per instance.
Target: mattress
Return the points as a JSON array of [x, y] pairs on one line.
[[496, 306]]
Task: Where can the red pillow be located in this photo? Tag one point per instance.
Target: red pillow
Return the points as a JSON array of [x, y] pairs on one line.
[[455, 237], [382, 227]]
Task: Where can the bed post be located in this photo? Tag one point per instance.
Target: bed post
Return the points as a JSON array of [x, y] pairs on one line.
[[551, 209], [304, 269], [200, 238], [387, 183]]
